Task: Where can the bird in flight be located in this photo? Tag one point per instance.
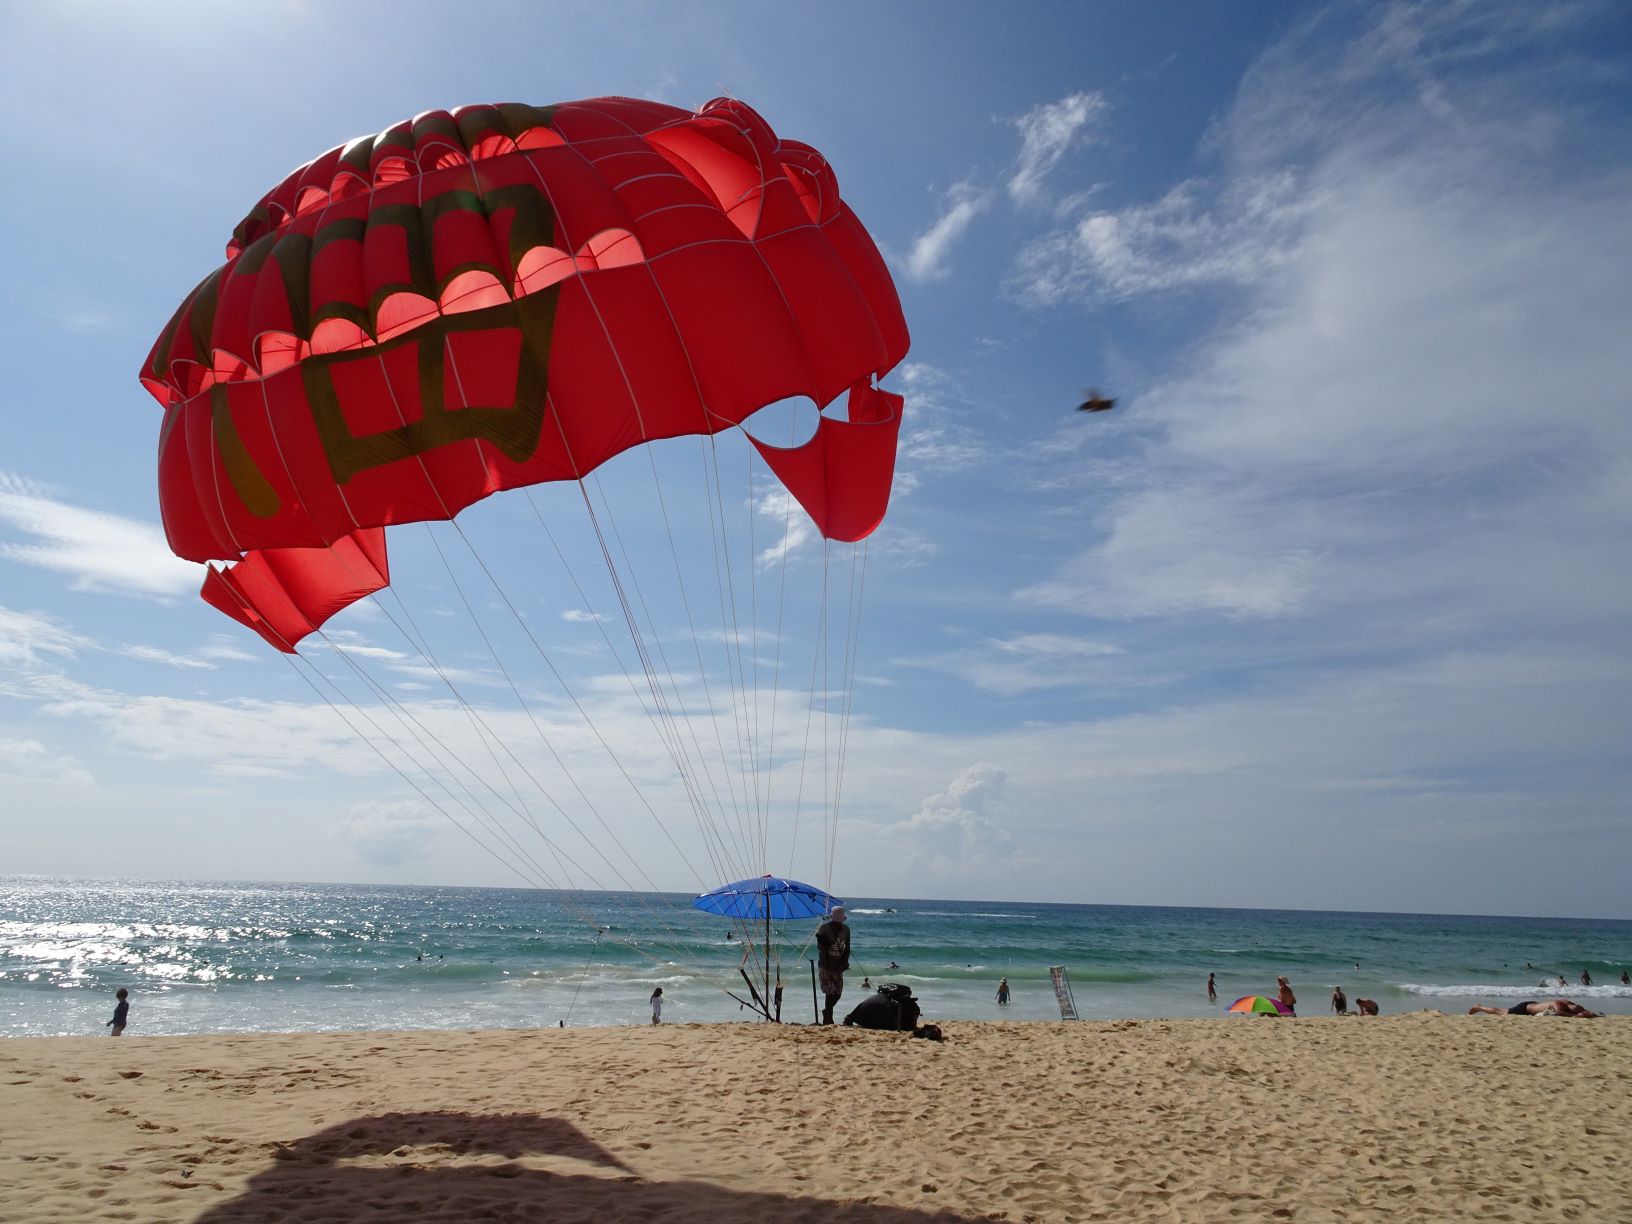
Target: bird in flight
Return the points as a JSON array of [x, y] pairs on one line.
[[1095, 402]]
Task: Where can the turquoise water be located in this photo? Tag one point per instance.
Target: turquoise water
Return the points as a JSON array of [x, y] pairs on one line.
[[222, 957]]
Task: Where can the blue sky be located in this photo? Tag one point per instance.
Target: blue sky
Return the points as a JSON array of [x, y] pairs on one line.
[[1332, 611]]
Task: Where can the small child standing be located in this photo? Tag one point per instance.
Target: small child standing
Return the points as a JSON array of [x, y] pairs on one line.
[[657, 1006], [120, 1012]]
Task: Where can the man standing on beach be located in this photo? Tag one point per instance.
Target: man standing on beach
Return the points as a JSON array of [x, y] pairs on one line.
[[832, 958]]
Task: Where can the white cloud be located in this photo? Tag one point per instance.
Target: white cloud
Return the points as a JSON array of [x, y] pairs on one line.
[[153, 654], [101, 551], [388, 834], [956, 829], [1412, 411], [578, 616], [1245, 232], [29, 760], [25, 637], [930, 255], [1025, 662], [1047, 132]]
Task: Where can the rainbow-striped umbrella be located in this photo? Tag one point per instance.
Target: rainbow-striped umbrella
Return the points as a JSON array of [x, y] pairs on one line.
[[1259, 1005]]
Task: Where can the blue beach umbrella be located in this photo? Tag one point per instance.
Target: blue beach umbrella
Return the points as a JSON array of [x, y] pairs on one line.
[[766, 897], [761, 899]]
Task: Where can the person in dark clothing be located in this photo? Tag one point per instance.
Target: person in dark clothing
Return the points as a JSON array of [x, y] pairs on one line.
[[832, 958], [1340, 1001], [120, 1012]]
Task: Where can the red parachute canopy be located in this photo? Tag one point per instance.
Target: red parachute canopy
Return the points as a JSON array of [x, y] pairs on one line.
[[496, 296]]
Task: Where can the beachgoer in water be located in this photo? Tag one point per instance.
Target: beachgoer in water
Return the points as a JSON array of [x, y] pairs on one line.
[[1626, 980], [1586, 978], [1212, 990], [1552, 1007], [1288, 999], [1003, 992], [1528, 965], [657, 1005], [866, 984], [891, 965], [1561, 980], [1340, 1001], [832, 959], [121, 1011], [1366, 1007]]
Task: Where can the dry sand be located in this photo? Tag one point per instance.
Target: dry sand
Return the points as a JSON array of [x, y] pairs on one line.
[[1442, 1117]]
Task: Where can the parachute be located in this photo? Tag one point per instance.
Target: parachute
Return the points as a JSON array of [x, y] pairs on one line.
[[504, 296], [500, 296]]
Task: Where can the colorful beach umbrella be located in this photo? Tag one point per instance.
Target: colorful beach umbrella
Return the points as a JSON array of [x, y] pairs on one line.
[[1261, 1005]]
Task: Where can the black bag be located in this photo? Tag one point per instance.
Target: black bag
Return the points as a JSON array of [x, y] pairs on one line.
[[892, 1009]]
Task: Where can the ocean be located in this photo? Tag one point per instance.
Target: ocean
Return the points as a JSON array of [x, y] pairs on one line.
[[202, 957]]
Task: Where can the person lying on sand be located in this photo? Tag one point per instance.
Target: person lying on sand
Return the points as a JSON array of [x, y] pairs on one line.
[[1553, 1007]]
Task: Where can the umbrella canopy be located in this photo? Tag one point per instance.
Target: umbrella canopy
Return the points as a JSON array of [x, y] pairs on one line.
[[766, 897], [1258, 1004]]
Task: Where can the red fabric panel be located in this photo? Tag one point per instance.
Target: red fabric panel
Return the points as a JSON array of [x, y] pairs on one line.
[[285, 593], [842, 476]]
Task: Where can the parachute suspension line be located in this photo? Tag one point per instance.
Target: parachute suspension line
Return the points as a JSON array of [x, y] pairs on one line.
[[776, 665], [719, 853], [584, 973], [755, 744], [736, 826], [827, 785], [542, 878], [667, 733], [732, 630], [694, 795], [851, 650], [810, 714], [533, 718], [486, 819]]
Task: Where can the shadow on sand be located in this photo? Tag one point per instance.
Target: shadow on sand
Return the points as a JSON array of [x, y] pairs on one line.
[[313, 1179]]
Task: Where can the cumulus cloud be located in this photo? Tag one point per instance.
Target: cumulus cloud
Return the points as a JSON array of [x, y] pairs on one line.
[[389, 834], [98, 550], [1047, 133], [955, 828], [929, 258]]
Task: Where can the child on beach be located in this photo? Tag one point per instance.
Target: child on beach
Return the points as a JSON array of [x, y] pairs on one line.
[[657, 1006], [120, 1012]]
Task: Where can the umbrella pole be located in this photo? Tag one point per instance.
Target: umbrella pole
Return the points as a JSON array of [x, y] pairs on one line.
[[767, 958], [815, 1011]]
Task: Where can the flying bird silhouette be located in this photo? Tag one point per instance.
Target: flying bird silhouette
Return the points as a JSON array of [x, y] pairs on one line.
[[1095, 402]]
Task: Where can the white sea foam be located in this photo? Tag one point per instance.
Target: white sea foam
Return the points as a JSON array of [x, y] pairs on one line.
[[1509, 991]]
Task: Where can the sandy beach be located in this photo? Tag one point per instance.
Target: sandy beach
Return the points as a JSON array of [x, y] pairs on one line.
[[1447, 1117]]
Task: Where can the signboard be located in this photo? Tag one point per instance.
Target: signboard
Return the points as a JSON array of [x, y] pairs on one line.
[[1062, 992]]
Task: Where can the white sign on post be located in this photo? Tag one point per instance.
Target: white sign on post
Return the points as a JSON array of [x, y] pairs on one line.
[[1062, 992]]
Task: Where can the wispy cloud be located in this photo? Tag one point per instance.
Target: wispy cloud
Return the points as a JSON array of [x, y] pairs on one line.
[[29, 760], [100, 551], [153, 654], [1047, 133], [1414, 392], [1196, 234], [929, 258], [25, 637]]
